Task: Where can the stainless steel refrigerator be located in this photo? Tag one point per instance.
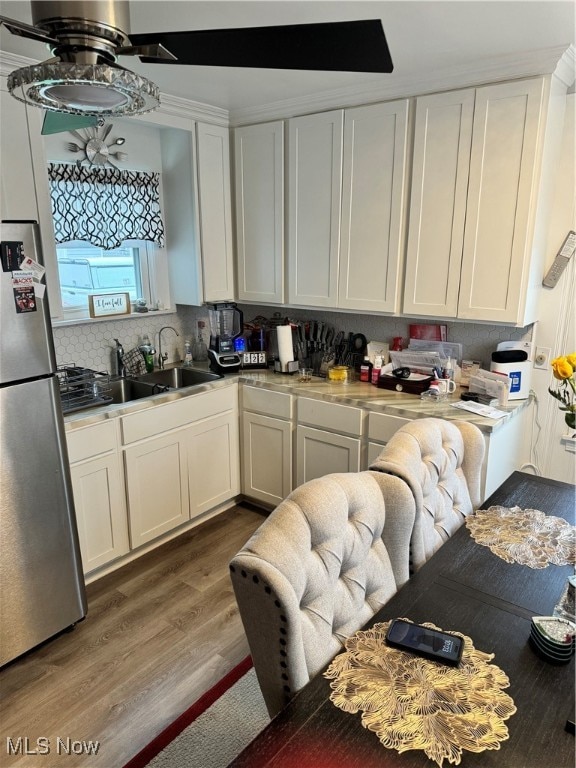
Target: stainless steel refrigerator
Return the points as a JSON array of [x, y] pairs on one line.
[[41, 581]]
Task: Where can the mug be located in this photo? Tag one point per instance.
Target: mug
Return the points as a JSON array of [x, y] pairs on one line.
[[446, 386]]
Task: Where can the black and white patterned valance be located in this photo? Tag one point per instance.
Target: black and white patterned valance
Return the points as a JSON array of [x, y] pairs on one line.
[[105, 206]]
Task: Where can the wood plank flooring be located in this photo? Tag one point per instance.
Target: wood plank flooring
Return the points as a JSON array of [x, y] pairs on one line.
[[159, 633]]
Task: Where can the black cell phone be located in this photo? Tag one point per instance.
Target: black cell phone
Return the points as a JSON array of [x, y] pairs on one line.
[[430, 643]]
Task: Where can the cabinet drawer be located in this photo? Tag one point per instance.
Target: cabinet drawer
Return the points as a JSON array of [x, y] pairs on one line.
[[90, 441], [339, 418], [381, 426], [267, 402], [163, 418]]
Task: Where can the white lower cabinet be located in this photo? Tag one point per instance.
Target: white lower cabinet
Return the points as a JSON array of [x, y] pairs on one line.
[[267, 444], [507, 450], [99, 498], [267, 454], [157, 486], [381, 427], [320, 453], [181, 460], [213, 462]]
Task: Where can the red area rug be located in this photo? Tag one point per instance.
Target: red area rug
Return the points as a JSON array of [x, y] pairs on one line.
[[174, 729]]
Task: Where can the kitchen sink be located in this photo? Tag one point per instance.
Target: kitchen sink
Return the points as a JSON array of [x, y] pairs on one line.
[[176, 378], [126, 390]]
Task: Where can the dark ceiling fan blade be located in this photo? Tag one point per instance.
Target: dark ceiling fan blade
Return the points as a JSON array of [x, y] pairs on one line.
[[26, 30], [152, 52], [343, 46]]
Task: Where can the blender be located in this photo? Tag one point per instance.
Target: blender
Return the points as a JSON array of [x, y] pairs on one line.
[[226, 324]]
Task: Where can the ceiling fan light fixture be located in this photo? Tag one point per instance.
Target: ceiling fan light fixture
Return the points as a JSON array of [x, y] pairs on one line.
[[84, 89]]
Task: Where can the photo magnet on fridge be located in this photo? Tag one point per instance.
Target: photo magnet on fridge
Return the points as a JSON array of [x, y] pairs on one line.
[[24, 294], [12, 254]]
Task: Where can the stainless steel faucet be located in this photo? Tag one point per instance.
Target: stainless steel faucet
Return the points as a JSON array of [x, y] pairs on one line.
[[163, 357]]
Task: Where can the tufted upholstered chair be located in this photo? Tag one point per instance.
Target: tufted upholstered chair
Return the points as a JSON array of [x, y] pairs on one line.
[[441, 461], [326, 559]]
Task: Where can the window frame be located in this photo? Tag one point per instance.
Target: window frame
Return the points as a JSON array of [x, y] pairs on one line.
[[145, 253], [155, 287]]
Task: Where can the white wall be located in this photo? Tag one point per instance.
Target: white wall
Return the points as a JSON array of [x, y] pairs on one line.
[[556, 328], [142, 146]]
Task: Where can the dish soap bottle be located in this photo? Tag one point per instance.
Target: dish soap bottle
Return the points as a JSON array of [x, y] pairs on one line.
[[187, 353], [148, 353], [200, 350]]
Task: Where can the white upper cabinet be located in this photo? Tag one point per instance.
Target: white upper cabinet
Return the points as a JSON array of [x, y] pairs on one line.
[[180, 189], [441, 160], [18, 200], [214, 201], [373, 207], [480, 159], [347, 175], [314, 195], [502, 195], [197, 208], [24, 189], [259, 184]]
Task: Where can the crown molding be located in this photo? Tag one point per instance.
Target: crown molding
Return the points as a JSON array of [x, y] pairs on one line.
[[566, 67], [559, 60], [169, 105], [193, 110], [11, 61]]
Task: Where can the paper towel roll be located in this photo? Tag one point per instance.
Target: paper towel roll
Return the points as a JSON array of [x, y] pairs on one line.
[[285, 348]]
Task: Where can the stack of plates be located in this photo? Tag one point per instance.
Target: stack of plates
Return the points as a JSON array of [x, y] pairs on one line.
[[553, 638]]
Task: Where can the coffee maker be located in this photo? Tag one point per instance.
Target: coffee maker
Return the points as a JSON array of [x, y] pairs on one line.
[[226, 324]]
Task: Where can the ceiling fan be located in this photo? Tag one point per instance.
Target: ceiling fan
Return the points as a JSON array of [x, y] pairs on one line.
[[86, 37]]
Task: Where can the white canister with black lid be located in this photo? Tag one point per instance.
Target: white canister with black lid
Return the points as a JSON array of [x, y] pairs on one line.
[[515, 364]]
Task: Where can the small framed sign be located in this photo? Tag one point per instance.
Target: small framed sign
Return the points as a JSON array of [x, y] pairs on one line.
[[107, 304]]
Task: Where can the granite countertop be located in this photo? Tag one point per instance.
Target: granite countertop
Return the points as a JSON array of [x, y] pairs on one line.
[[358, 393], [365, 395]]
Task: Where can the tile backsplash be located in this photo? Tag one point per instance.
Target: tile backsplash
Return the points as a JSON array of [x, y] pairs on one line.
[[91, 345]]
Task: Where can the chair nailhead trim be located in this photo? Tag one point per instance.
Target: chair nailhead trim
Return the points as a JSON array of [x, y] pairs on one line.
[[282, 630]]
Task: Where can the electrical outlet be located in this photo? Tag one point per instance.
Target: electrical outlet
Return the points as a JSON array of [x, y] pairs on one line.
[[542, 357]]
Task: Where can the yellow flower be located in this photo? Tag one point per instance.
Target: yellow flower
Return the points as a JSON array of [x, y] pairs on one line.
[[562, 368]]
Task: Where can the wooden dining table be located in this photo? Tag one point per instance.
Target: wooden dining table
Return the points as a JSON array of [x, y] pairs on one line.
[[466, 588]]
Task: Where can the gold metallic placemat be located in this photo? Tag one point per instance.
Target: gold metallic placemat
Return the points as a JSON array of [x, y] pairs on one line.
[[525, 536], [413, 703]]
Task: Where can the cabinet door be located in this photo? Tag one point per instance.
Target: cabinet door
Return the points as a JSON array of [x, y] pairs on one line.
[[24, 187], [381, 427], [157, 487], [18, 199], [259, 163], [267, 458], [100, 511], [374, 450], [181, 214], [373, 207], [214, 199], [320, 453], [441, 159], [314, 195], [213, 462], [499, 219]]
